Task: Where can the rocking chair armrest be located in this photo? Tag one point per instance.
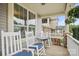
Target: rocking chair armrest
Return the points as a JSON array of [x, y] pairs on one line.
[[34, 46], [28, 49]]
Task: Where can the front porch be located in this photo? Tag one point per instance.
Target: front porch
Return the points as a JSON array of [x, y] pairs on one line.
[[43, 22]]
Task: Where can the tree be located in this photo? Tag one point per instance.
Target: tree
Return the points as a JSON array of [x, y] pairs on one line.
[[70, 20], [74, 12], [72, 15]]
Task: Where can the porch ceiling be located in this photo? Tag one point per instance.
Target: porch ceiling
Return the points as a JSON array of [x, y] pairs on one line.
[[47, 9]]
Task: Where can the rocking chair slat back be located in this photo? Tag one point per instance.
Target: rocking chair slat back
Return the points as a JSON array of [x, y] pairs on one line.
[[11, 42]]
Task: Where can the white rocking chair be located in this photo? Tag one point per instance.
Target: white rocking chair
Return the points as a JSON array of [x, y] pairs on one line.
[[12, 45], [32, 43]]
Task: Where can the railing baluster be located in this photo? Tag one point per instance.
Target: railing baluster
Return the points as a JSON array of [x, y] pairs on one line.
[[14, 43], [11, 44], [7, 45], [20, 40], [17, 42], [2, 41]]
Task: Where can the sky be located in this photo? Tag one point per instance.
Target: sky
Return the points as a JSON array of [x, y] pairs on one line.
[[77, 22], [61, 20]]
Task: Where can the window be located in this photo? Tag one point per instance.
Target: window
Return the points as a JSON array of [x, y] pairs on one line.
[[61, 20], [16, 10], [20, 13], [31, 15], [20, 19], [32, 24], [25, 16], [44, 20]]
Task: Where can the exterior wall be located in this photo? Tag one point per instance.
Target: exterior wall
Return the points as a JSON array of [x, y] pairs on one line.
[[3, 19], [53, 23], [45, 29], [3, 16]]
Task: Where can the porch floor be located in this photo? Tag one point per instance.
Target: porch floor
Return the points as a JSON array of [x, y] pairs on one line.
[[55, 50]]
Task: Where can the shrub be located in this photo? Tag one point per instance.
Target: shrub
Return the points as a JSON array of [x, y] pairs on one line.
[[76, 32]]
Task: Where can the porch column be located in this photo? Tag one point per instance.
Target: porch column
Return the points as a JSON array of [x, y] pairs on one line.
[[67, 28], [10, 17]]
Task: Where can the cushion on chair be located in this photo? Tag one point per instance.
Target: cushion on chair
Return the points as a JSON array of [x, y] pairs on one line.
[[40, 45], [23, 53]]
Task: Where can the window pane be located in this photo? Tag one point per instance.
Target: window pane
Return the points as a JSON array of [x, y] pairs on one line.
[[25, 16], [32, 24], [17, 10], [44, 20], [21, 13], [31, 15], [20, 17]]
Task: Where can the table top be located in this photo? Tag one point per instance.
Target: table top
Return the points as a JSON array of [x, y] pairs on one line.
[[42, 38]]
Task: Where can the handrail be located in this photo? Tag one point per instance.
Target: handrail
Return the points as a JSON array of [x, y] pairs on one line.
[[72, 45], [75, 40]]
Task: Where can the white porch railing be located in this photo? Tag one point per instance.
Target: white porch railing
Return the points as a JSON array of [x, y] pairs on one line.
[[73, 46]]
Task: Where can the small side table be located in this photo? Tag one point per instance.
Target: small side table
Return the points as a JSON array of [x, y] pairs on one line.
[[43, 40]]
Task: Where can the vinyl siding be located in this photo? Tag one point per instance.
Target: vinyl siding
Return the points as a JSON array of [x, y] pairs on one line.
[[3, 16], [3, 19]]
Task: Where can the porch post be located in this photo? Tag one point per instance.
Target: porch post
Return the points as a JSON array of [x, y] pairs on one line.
[[67, 28], [10, 17]]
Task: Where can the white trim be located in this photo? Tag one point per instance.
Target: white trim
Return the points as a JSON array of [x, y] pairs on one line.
[[17, 42], [7, 46], [73, 39], [14, 43], [72, 45], [2, 43], [11, 43]]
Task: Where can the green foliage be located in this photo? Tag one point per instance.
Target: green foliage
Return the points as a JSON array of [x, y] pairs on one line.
[[71, 27], [76, 32], [70, 20], [74, 12]]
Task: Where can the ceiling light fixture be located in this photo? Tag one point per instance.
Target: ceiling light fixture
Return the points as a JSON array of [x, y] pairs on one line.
[[42, 3]]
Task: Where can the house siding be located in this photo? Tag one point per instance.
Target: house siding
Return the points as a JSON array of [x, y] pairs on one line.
[[3, 16], [3, 19]]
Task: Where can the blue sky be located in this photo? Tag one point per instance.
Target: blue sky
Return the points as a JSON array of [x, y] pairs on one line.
[[77, 22], [61, 20]]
